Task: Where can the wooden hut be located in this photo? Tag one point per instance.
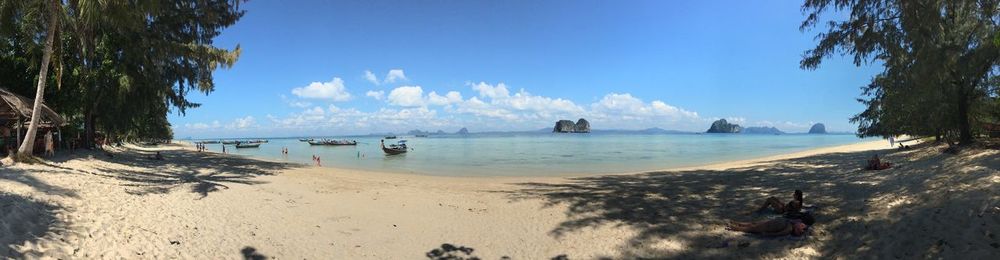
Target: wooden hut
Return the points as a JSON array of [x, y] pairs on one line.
[[992, 129], [15, 114]]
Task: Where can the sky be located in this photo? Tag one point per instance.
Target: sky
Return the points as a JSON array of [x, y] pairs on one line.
[[358, 67]]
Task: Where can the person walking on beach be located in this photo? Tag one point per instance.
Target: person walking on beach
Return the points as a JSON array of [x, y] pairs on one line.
[[50, 149], [892, 142]]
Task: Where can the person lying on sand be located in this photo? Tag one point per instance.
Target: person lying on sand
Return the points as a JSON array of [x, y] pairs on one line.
[[773, 227], [876, 164], [774, 204]]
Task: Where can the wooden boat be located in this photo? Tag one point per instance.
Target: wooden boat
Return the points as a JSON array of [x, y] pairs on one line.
[[247, 145], [390, 137], [306, 140], [394, 149], [334, 142], [229, 142]]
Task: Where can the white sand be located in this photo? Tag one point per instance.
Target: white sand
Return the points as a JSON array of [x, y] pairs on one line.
[[210, 206]]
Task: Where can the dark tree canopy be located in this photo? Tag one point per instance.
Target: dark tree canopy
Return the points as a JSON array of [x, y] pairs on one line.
[[940, 62], [124, 64]]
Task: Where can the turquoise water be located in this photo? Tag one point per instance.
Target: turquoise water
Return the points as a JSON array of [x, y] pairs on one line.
[[542, 154]]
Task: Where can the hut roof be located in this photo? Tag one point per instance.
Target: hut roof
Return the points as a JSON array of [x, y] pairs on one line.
[[14, 106]]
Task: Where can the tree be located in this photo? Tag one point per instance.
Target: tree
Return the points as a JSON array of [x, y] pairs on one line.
[[938, 57], [53, 8], [128, 63]]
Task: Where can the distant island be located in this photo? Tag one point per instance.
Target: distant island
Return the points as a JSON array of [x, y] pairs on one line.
[[818, 128], [762, 130], [463, 131], [721, 126], [567, 126]]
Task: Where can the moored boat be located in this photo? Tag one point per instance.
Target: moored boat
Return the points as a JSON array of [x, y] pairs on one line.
[[390, 137], [333, 142], [393, 149], [247, 145]]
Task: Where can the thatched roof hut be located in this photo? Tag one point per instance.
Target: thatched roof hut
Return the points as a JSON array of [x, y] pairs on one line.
[[14, 107]]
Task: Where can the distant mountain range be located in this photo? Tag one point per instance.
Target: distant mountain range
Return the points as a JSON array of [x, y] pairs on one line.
[[762, 130], [655, 130]]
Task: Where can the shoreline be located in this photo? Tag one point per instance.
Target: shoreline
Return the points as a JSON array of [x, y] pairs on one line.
[[875, 145]]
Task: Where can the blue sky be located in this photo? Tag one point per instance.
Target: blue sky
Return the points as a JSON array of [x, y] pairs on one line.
[[357, 67]]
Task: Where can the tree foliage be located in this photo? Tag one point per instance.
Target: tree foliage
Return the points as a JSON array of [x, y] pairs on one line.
[[127, 63], [940, 62]]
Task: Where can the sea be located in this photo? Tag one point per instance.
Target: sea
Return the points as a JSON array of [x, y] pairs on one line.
[[538, 154]]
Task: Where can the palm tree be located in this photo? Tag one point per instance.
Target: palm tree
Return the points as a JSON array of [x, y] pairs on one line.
[[53, 7]]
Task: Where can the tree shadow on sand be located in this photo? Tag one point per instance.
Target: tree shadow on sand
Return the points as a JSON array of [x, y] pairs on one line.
[[24, 221], [24, 177], [251, 253], [691, 208], [202, 172]]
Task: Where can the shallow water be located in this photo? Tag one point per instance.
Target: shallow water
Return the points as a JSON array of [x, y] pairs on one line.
[[542, 154]]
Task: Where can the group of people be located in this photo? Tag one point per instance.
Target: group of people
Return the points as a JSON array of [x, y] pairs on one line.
[[200, 147], [792, 222], [284, 150]]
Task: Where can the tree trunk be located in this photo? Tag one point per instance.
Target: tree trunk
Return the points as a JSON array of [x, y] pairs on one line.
[[964, 128], [28, 145], [88, 130]]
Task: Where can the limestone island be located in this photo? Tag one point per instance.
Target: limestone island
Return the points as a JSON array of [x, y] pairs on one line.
[[567, 126]]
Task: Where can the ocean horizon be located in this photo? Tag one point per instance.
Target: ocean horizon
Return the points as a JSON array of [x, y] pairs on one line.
[[537, 153]]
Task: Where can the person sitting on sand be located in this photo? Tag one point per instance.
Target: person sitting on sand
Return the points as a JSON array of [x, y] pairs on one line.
[[876, 164], [773, 227], [774, 204], [157, 156]]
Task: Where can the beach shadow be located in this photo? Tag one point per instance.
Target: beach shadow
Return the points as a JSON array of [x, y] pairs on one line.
[[26, 177], [691, 208], [199, 172], [250, 253], [24, 221]]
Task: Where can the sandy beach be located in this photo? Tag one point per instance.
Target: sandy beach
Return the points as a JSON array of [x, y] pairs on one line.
[[212, 206]]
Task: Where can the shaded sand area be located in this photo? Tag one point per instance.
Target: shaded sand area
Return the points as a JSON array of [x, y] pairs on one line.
[[212, 206]]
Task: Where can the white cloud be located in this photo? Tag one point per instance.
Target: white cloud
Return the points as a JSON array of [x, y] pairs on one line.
[[496, 105], [237, 124], [452, 97], [497, 102], [523, 100], [242, 123], [628, 107], [493, 92], [370, 77], [407, 96], [394, 75], [300, 104], [333, 89], [477, 107], [736, 120], [377, 95]]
